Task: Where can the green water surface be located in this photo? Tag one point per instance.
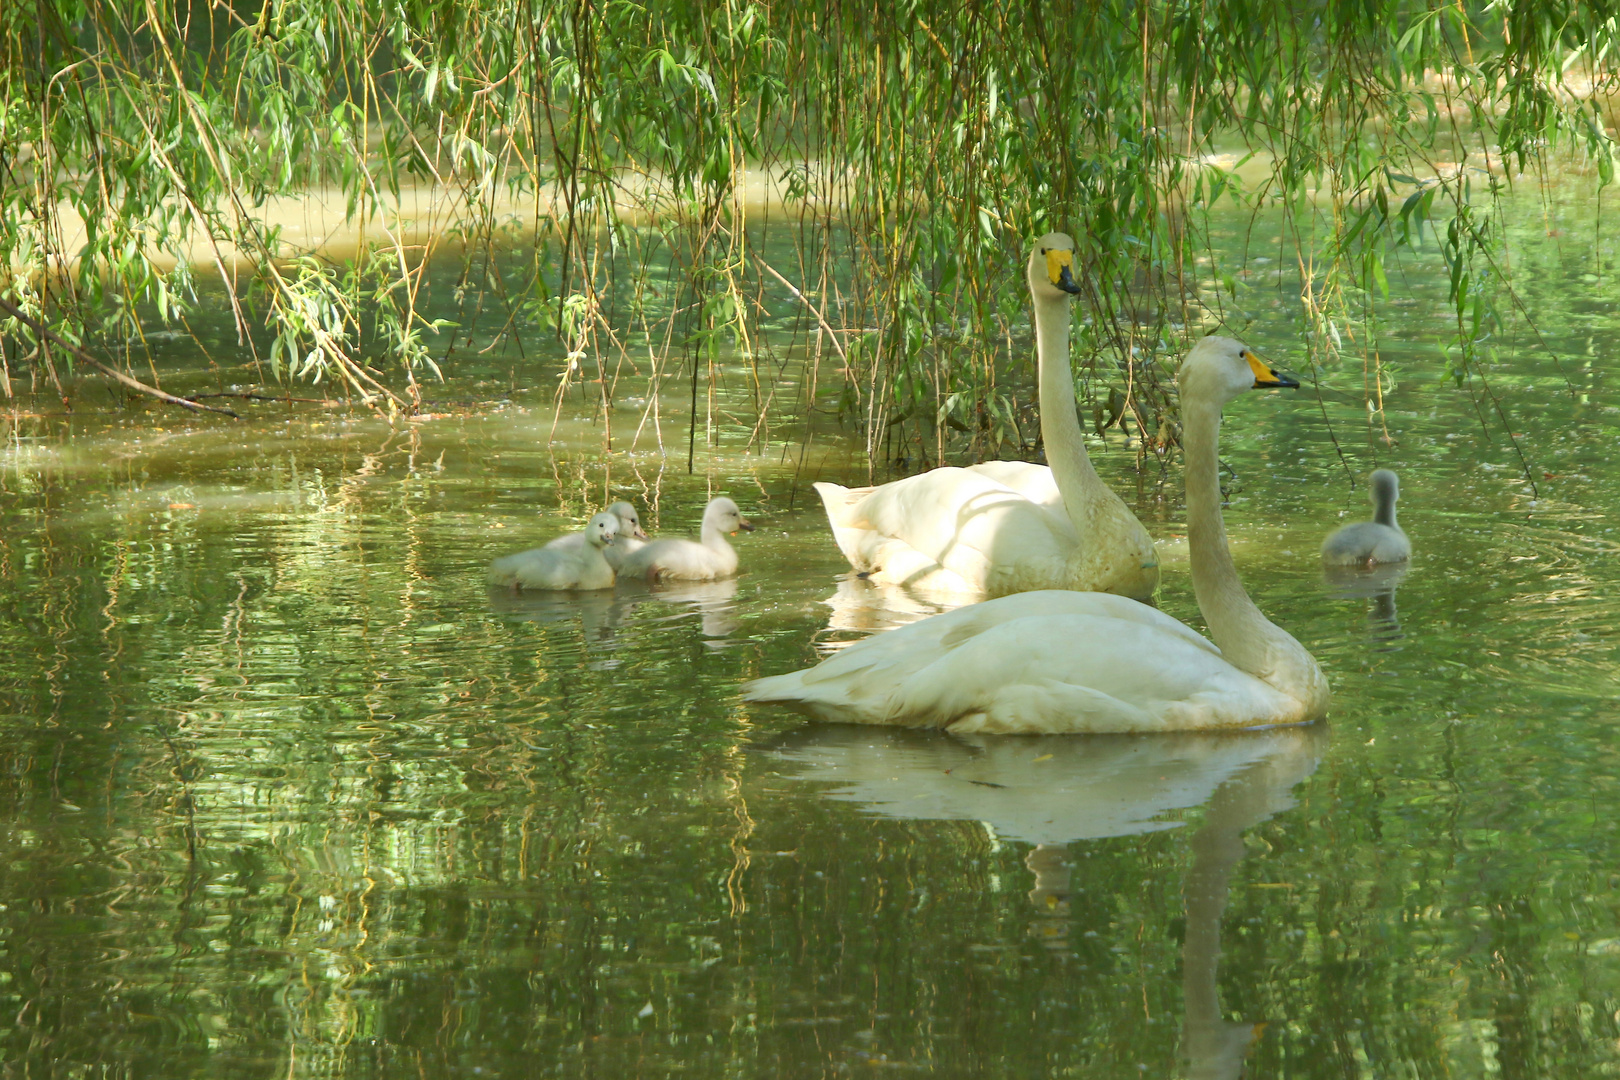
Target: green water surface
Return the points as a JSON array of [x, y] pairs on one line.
[[286, 790]]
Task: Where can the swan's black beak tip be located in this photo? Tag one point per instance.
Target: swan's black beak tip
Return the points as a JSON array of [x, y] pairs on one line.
[[1066, 281], [1265, 376]]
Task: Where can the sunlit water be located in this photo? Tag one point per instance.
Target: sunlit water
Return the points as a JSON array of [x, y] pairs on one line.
[[286, 789]]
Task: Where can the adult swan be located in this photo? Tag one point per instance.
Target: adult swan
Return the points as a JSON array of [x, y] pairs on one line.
[[1055, 661], [1007, 526]]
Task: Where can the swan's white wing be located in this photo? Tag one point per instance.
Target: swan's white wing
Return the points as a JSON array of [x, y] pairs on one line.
[[1033, 482], [974, 528], [885, 679], [1047, 662], [1062, 673]]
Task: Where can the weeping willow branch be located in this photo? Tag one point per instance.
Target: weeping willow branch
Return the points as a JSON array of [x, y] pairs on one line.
[[622, 145], [39, 328]]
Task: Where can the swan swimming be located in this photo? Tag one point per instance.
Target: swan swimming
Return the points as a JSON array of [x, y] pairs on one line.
[[1007, 526], [631, 535], [684, 560], [1369, 543], [1058, 662], [580, 566]]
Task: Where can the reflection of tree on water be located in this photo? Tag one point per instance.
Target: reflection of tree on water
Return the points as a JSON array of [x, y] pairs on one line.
[[1050, 792], [1376, 585]]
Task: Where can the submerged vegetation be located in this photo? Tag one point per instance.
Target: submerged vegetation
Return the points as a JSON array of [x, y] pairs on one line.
[[608, 175]]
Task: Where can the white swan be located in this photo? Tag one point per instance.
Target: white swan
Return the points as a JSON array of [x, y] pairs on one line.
[[684, 560], [580, 566], [1368, 543], [1056, 662], [631, 535], [1007, 526]]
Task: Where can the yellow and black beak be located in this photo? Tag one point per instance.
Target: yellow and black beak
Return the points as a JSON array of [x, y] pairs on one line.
[[1264, 376], [1060, 270]]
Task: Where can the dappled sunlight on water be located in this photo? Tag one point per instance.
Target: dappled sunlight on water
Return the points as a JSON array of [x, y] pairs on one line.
[[287, 787]]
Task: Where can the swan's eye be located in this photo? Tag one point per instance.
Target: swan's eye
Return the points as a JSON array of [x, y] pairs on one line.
[[1043, 251]]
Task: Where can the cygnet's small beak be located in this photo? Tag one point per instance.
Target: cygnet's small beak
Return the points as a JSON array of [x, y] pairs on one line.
[[1265, 376], [640, 533], [744, 524], [607, 541]]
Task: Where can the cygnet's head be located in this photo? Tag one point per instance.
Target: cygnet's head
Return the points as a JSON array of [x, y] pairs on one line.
[[602, 529], [629, 520], [1386, 487], [1221, 368], [1051, 268], [723, 514]]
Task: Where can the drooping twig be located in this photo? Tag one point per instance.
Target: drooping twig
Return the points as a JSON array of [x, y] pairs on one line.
[[805, 300], [246, 395], [7, 308]]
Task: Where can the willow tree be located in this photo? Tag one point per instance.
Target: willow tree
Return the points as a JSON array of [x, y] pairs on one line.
[[916, 148]]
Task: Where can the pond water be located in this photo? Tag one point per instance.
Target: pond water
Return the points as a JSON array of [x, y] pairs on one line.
[[286, 790]]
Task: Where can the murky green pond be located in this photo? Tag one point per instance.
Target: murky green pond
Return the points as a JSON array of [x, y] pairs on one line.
[[285, 790]]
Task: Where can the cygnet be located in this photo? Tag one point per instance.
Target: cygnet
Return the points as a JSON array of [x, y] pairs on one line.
[[631, 536], [1369, 543], [580, 566], [685, 560]]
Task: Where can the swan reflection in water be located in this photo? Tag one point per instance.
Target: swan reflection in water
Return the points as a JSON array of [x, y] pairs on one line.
[[1052, 791], [714, 603], [1377, 586], [862, 607], [603, 613]]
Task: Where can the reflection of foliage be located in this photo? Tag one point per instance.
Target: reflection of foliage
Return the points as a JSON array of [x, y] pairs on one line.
[[435, 836], [939, 136]]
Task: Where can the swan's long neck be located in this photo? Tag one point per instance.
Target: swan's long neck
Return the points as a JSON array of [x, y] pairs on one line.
[[1247, 639], [1076, 480]]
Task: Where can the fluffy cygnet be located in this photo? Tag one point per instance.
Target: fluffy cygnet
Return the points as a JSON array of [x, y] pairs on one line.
[[1368, 543], [577, 566], [631, 536], [685, 560]]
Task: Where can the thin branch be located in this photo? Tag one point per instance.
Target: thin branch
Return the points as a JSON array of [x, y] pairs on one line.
[[6, 307]]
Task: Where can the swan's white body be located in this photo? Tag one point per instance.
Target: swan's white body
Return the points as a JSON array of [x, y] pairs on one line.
[[574, 566], [1006, 526], [1057, 662], [683, 560], [1370, 543], [631, 536]]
